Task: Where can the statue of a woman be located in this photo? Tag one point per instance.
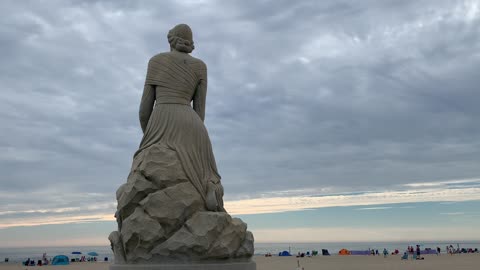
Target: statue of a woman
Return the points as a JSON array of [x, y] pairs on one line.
[[174, 80], [171, 208]]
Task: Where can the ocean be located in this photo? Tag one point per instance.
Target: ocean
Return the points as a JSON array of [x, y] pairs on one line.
[[21, 254]]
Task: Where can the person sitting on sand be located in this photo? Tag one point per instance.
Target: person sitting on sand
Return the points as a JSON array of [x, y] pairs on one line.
[[405, 256]]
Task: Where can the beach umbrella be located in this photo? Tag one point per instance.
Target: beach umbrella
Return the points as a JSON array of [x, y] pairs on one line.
[[93, 253], [76, 252]]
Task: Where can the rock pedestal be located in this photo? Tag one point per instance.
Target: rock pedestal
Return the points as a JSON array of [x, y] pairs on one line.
[[204, 266], [163, 222]]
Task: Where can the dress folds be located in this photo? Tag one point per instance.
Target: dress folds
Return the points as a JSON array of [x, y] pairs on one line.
[[176, 80]]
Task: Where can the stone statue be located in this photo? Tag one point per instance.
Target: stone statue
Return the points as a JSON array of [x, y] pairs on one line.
[[170, 212]]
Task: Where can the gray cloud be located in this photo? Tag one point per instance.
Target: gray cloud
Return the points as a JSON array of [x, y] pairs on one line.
[[346, 95]]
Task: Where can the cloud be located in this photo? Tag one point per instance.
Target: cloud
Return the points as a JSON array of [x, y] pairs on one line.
[[360, 234], [375, 208], [295, 203], [304, 98], [453, 213], [286, 201], [451, 183]]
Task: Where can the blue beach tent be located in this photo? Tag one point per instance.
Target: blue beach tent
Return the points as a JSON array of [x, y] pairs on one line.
[[60, 260], [284, 253]]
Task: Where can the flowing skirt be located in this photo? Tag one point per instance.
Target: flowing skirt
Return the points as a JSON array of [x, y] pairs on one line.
[[180, 128]]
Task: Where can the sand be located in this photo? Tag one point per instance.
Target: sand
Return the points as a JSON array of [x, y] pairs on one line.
[[443, 262]]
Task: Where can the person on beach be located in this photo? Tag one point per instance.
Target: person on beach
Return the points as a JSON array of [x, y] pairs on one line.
[[385, 252], [418, 252], [438, 250]]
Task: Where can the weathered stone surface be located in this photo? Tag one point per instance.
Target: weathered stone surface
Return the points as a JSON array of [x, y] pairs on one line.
[[139, 234], [207, 235], [162, 167], [194, 238], [130, 194], [117, 247], [229, 240], [172, 206], [246, 249]]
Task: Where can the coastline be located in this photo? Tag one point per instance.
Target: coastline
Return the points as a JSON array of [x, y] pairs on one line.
[[431, 262]]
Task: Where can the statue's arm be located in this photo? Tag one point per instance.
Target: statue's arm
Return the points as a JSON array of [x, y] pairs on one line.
[[200, 97], [146, 105]]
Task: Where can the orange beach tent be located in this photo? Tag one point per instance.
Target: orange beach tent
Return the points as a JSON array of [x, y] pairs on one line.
[[344, 252]]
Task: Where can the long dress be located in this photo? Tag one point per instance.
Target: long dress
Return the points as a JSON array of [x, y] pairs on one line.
[[173, 81]]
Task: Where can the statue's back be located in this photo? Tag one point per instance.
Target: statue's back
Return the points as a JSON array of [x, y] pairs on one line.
[[171, 211], [175, 76]]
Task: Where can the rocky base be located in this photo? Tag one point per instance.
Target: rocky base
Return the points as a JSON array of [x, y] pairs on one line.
[[163, 220], [201, 266]]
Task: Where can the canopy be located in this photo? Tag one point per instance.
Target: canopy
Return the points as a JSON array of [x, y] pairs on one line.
[[76, 252], [60, 260], [93, 253]]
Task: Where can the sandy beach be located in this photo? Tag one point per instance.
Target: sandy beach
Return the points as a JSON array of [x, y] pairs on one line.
[[443, 262]]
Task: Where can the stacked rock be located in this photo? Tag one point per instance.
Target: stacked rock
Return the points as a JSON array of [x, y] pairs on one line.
[[163, 219]]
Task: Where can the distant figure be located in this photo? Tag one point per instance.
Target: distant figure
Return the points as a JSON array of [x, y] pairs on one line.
[[376, 252], [385, 252], [438, 250], [418, 251], [405, 256]]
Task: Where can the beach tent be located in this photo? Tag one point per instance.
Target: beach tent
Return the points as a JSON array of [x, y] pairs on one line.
[[325, 252], [343, 252], [284, 253], [359, 252], [60, 260], [93, 253]]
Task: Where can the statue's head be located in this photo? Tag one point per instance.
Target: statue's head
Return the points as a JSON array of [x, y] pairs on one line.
[[180, 38]]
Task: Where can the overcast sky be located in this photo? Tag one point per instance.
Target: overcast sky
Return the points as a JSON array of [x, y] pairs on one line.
[[312, 101]]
